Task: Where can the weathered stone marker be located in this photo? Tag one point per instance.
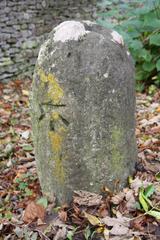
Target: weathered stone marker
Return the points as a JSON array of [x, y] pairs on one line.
[[82, 107]]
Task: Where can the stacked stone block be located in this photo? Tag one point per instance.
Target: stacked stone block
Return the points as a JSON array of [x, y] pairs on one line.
[[24, 26]]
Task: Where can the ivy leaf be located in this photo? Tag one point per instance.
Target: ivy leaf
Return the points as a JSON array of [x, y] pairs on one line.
[[141, 11], [151, 21], [158, 65], [136, 45], [148, 66], [155, 39], [145, 54]]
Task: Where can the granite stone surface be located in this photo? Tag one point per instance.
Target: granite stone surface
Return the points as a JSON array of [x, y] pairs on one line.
[[82, 107]]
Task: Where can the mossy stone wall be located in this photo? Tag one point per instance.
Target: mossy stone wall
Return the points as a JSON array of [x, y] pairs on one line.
[[25, 24]]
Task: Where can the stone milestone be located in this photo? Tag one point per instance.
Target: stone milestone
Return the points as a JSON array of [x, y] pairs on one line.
[[82, 108]]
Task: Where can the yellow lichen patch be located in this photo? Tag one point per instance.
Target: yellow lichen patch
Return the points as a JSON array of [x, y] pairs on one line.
[[42, 75], [62, 130], [56, 143], [55, 92], [55, 116], [117, 154], [56, 140], [59, 170]]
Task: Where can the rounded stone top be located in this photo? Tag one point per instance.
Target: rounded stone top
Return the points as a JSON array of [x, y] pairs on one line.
[[82, 42], [69, 30]]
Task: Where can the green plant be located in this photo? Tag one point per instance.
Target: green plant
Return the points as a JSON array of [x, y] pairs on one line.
[[71, 233], [23, 184], [146, 203], [139, 23]]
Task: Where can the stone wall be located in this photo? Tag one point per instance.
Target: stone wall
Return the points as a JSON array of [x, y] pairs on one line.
[[24, 25]]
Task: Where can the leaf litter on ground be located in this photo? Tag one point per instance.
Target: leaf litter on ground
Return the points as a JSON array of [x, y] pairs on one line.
[[132, 213]]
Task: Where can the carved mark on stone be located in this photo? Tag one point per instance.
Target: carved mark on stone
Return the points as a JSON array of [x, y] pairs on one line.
[[50, 103], [42, 113], [52, 125], [64, 120]]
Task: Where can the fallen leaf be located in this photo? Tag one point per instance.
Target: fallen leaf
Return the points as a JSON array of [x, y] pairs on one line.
[[131, 202], [154, 213], [119, 229], [142, 200], [33, 211], [62, 215], [106, 234], [5, 140], [25, 92], [138, 183], [25, 134], [40, 222], [138, 222], [118, 198], [103, 210], [149, 191], [152, 167], [92, 219], [120, 225], [61, 234]]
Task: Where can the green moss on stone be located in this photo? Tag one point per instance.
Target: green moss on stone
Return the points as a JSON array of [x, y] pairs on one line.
[[117, 156]]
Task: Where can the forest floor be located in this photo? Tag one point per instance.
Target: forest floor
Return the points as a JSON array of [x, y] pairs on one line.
[[132, 214]]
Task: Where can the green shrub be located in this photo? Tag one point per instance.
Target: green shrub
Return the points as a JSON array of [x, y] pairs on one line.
[[139, 23]]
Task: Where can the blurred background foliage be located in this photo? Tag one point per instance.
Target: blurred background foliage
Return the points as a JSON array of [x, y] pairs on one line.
[[138, 22]]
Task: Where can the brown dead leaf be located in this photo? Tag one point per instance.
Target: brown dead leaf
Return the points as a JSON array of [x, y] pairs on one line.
[[5, 140], [103, 211], [40, 222], [119, 220], [119, 229], [61, 234], [131, 202], [33, 211], [158, 109], [138, 223], [152, 167], [62, 215], [124, 238], [77, 219], [86, 198], [120, 225], [118, 198], [137, 183], [154, 130], [25, 92]]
